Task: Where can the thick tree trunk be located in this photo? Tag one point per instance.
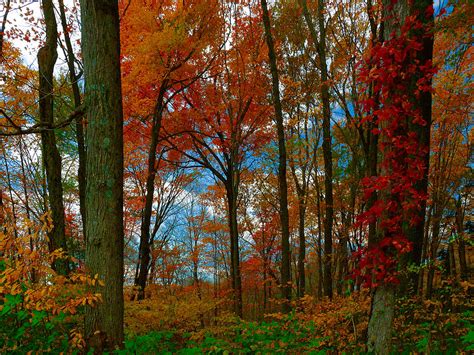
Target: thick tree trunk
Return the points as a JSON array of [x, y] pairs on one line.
[[415, 234], [81, 148], [383, 302], [381, 319], [104, 189], [371, 151], [47, 56], [282, 182]]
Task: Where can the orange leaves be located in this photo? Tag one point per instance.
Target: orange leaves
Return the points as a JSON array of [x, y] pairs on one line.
[[163, 40], [26, 274], [170, 308]]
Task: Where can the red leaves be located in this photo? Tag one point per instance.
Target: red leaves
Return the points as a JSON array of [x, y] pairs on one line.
[[378, 264], [396, 79]]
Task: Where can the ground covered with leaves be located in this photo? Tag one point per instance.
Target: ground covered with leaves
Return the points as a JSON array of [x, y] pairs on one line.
[[180, 321], [444, 324]]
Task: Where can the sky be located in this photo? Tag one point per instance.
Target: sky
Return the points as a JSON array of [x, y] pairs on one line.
[[17, 19], [29, 49]]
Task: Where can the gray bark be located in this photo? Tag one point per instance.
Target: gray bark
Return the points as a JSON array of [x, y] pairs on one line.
[[380, 324]]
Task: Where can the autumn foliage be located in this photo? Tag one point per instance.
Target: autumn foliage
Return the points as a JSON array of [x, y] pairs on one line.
[[367, 104]]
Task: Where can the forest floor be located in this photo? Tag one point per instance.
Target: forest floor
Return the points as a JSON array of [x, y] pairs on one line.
[[178, 321]]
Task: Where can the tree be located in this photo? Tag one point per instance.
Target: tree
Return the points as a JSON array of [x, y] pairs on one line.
[[282, 182], [79, 124], [320, 43], [181, 61], [400, 71], [104, 170], [300, 81], [450, 144], [221, 119], [47, 56], [3, 26]]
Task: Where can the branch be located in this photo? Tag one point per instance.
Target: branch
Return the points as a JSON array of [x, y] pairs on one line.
[[42, 126]]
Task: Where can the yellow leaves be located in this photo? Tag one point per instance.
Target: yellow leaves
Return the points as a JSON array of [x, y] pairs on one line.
[[76, 339], [275, 316], [169, 308], [466, 286], [57, 254]]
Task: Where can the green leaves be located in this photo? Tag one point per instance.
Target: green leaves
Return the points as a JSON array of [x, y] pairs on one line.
[[468, 340], [288, 335]]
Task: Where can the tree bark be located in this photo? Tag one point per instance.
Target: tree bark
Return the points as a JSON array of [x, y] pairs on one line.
[[433, 252], [27, 202], [462, 244], [4, 25], [81, 148], [145, 239], [104, 169], [302, 247], [232, 193], [10, 191], [415, 234], [320, 43], [320, 246], [47, 56], [381, 319], [282, 182]]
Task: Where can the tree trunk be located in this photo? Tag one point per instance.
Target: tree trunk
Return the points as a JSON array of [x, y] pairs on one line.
[[421, 275], [383, 302], [104, 168], [320, 242], [27, 203], [47, 56], [81, 148], [452, 260], [381, 319], [282, 183], [433, 252], [10, 191], [232, 193], [320, 43], [145, 239], [3, 26], [462, 244], [415, 233], [302, 247]]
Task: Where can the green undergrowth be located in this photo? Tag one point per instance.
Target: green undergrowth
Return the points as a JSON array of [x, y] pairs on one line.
[[289, 336]]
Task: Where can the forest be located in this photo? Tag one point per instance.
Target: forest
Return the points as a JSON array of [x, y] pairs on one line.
[[236, 176]]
